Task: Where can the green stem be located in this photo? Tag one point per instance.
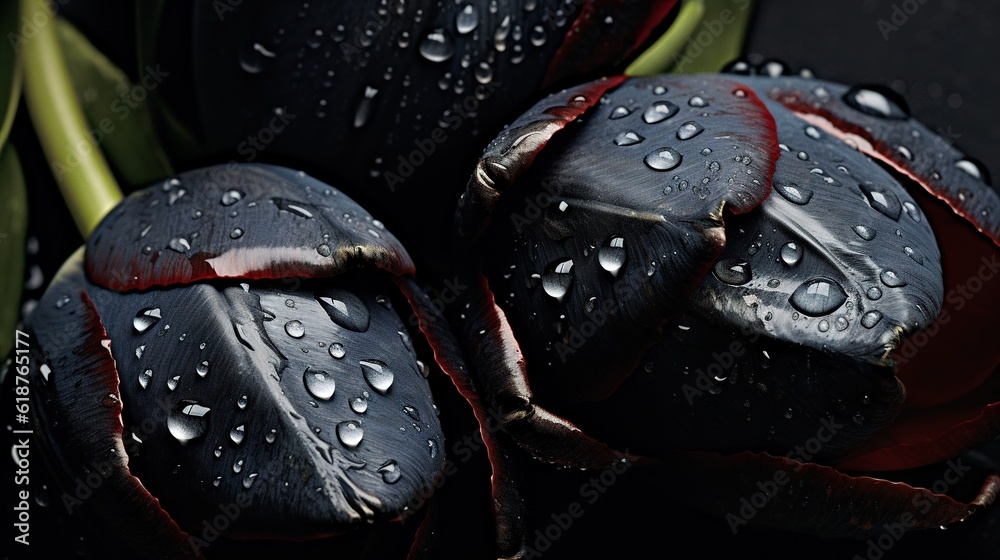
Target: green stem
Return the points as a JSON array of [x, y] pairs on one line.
[[658, 58], [83, 175]]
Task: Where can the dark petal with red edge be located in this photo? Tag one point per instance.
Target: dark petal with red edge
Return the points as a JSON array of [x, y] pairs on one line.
[[603, 33], [921, 436], [77, 408], [511, 153], [838, 258], [812, 498], [882, 129], [354, 89], [243, 221], [619, 218], [251, 392], [710, 388]]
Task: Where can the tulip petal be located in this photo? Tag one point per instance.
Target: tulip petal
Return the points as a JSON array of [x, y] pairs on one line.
[[304, 405], [83, 434], [618, 219], [839, 257], [767, 491], [247, 221]]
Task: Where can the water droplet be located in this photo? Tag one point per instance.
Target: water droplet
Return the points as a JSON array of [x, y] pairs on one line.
[[292, 207], [841, 323], [248, 481], [823, 325], [663, 159], [972, 168], [238, 466], [891, 279], [242, 402], [271, 436], [390, 472], [467, 19], [883, 200], [911, 211], [659, 112], [337, 350], [346, 310], [217, 452], [350, 433], [412, 412], [697, 101], [359, 405], [612, 255], [324, 250], [145, 319], [179, 244], [689, 130], [188, 420], [173, 381], [436, 46], [734, 272], [874, 103], [870, 319], [202, 368], [139, 351], [537, 35], [628, 139], [619, 112], [364, 109], [788, 413], [432, 448], [236, 434], [813, 133], [817, 297], [914, 254], [144, 378], [557, 278], [377, 374], [320, 384], [295, 329], [793, 193], [231, 197], [803, 156], [865, 232], [791, 254]]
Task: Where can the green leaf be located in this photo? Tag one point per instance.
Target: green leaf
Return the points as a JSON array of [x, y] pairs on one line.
[[118, 111], [707, 35], [10, 67], [13, 228]]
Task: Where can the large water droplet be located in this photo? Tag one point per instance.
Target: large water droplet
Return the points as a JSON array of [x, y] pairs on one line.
[[891, 279], [612, 255], [467, 19], [436, 46], [865, 232], [793, 192], [732, 271], [882, 199], [689, 130], [628, 139], [377, 374], [295, 329], [663, 159], [236, 434], [145, 319], [870, 319], [791, 254], [188, 420], [390, 472], [817, 297], [874, 103], [659, 112], [874, 293], [557, 278], [350, 433], [320, 384], [346, 310]]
